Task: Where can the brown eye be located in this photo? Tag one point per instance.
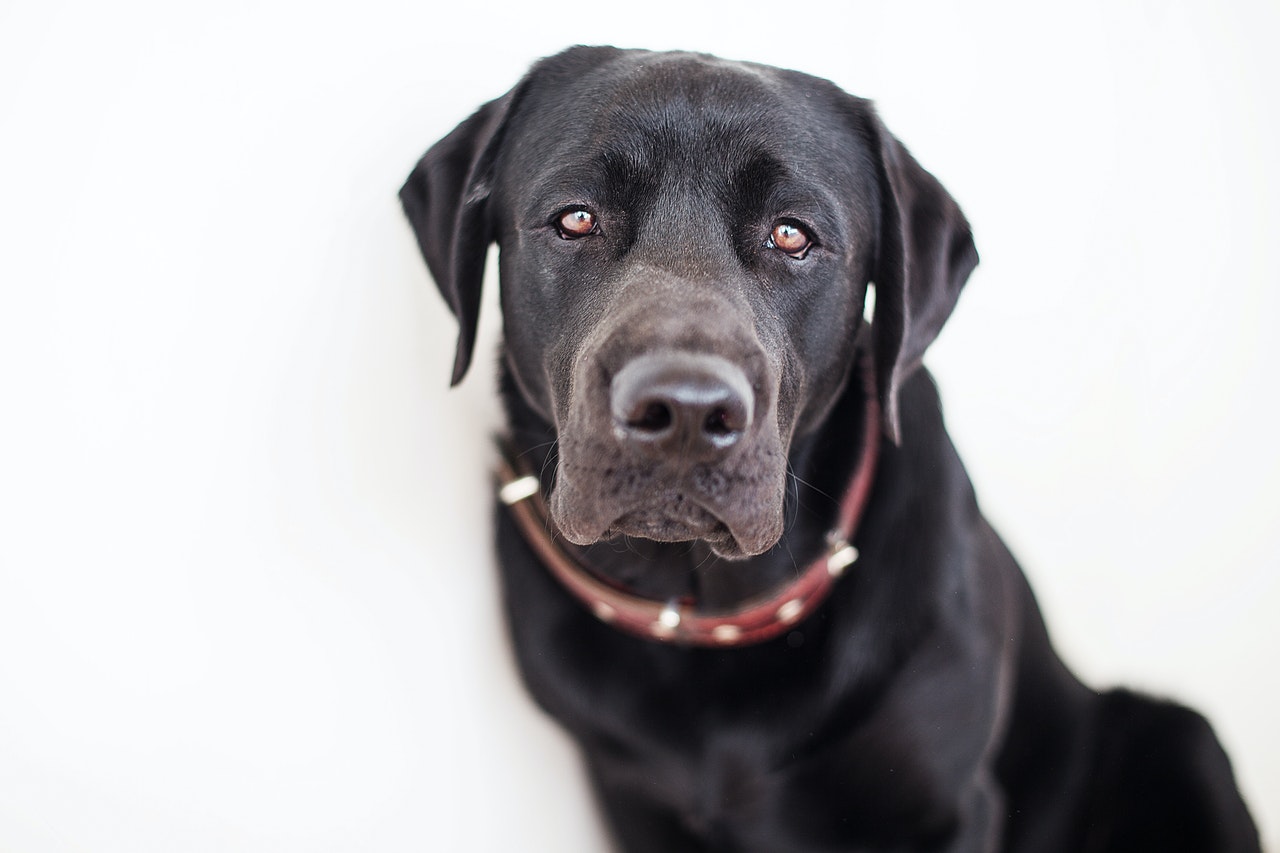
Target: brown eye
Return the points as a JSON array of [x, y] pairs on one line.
[[788, 237], [575, 223]]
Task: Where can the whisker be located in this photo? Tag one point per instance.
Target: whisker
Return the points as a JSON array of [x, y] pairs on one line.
[[550, 457], [527, 451], [793, 497], [542, 475], [710, 556], [791, 472], [794, 565]]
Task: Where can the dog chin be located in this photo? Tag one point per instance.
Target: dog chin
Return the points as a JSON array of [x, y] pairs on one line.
[[693, 524], [661, 528], [666, 513]]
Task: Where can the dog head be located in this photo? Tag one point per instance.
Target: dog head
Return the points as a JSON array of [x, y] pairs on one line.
[[686, 245]]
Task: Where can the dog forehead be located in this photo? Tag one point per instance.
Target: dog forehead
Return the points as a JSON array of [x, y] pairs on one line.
[[648, 82], [631, 125], [639, 81], [638, 103]]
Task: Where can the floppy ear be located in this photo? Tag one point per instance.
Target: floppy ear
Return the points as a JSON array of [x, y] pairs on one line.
[[446, 200], [925, 255]]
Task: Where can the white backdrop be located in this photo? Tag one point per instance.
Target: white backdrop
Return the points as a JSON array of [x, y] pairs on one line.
[[246, 593]]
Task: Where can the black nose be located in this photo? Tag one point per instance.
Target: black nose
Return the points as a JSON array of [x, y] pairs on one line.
[[678, 403]]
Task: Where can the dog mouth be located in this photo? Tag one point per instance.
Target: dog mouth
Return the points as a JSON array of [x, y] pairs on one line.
[[744, 525], [683, 522]]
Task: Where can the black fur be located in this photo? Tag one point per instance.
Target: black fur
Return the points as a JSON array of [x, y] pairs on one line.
[[922, 707]]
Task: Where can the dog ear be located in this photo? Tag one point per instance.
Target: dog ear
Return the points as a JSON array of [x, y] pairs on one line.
[[446, 200], [926, 254]]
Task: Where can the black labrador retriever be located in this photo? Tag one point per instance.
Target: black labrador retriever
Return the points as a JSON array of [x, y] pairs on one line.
[[742, 562]]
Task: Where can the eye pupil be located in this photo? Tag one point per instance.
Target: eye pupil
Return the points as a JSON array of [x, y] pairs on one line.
[[576, 223]]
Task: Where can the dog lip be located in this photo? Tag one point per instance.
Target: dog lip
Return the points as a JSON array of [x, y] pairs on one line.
[[716, 533], [664, 527], [656, 522], [677, 519], [570, 511], [736, 507]]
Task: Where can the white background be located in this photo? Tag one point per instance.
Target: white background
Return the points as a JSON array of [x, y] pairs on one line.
[[246, 593]]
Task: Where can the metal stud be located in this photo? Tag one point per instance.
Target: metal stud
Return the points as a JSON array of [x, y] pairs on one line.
[[790, 611], [517, 490], [668, 622], [726, 633], [842, 556], [604, 612]]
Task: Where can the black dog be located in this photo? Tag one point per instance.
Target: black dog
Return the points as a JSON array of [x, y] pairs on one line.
[[686, 248]]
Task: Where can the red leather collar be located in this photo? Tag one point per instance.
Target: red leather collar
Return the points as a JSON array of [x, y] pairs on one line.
[[762, 618]]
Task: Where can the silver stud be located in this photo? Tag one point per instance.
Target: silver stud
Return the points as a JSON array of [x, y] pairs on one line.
[[726, 633], [842, 556], [603, 611], [662, 632], [668, 621], [518, 490], [790, 611]]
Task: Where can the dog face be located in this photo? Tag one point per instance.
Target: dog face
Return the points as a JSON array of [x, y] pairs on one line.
[[686, 245]]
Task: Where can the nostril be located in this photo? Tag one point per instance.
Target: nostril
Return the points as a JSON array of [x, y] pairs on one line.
[[717, 423], [685, 405], [653, 417]]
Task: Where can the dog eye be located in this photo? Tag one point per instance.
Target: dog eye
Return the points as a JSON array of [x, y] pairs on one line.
[[576, 222], [789, 237]]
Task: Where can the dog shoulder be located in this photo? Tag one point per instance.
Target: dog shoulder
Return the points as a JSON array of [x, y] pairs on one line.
[[1161, 781]]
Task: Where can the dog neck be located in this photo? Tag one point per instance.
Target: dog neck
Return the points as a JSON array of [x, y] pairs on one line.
[[682, 592]]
